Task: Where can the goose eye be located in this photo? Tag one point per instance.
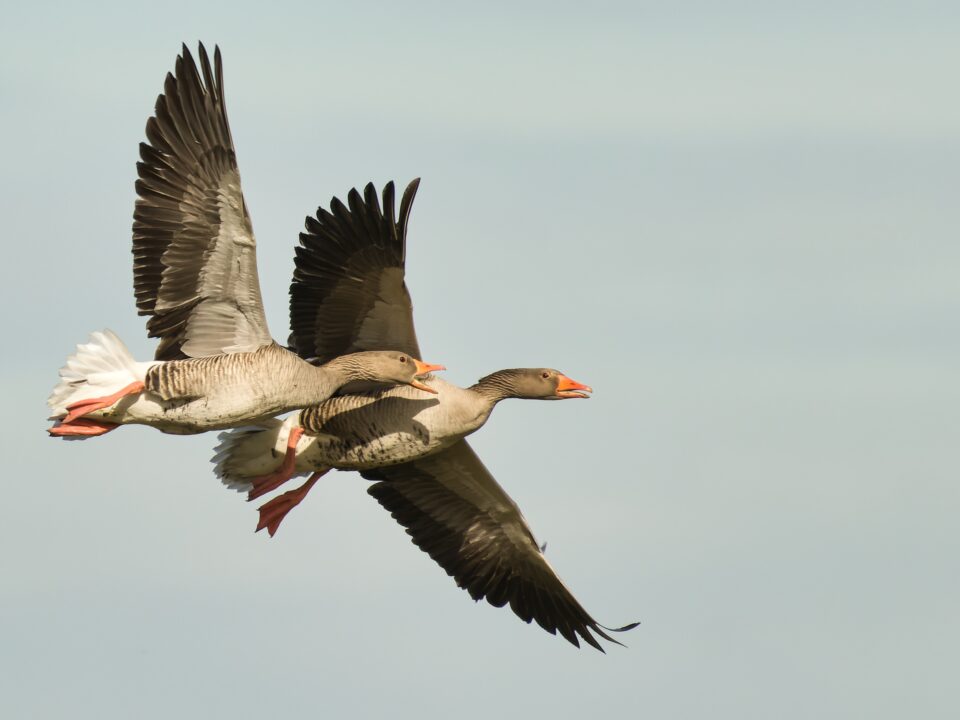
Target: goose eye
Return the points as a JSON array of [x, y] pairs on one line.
[[403, 358], [545, 375]]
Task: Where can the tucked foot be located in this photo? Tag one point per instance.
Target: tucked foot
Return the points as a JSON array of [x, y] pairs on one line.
[[262, 484], [273, 512], [82, 427], [83, 407]]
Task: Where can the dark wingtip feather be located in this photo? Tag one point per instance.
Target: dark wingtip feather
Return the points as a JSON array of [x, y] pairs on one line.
[[596, 627], [593, 641], [406, 203], [388, 211], [624, 628], [218, 74], [185, 57]]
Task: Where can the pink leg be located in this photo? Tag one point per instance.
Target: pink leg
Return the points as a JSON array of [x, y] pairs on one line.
[[273, 512], [263, 484], [83, 407], [86, 427]]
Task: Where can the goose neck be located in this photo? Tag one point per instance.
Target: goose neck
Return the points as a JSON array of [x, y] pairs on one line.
[[344, 369], [496, 387]]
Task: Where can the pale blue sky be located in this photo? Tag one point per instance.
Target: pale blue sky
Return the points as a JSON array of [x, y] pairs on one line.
[[738, 223]]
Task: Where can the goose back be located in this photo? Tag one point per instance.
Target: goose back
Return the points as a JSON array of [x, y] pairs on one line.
[[271, 372]]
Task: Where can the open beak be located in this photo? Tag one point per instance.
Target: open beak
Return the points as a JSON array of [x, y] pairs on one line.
[[425, 369], [568, 388]]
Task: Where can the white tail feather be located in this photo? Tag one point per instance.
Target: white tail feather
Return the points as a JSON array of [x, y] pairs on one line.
[[245, 453], [100, 367]]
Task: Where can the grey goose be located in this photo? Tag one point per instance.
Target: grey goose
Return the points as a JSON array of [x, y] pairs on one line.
[[195, 276], [348, 294]]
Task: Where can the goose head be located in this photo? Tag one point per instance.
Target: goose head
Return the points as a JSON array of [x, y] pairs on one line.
[[534, 384], [391, 366]]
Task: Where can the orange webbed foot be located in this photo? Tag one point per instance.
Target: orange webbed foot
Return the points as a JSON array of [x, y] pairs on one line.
[[262, 484], [82, 427], [273, 512], [83, 407]]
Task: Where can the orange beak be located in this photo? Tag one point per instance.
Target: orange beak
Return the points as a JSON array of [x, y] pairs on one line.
[[567, 388], [425, 369]]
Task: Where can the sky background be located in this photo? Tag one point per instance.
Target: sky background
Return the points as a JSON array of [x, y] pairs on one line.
[[738, 222]]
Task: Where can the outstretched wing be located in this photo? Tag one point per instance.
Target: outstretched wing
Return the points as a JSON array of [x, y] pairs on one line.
[[348, 292], [194, 254], [457, 513]]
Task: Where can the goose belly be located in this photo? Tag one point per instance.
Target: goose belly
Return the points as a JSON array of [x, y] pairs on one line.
[[216, 411], [355, 454]]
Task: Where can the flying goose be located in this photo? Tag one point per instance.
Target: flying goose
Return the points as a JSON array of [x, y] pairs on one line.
[[348, 293], [195, 276], [362, 431]]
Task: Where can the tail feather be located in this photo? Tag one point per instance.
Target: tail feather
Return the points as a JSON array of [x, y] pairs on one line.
[[247, 452], [100, 367]]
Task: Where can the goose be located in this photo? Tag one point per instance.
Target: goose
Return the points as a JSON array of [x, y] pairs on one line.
[[195, 276], [348, 293], [361, 431]]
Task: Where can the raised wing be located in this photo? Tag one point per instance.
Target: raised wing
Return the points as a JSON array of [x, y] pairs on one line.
[[348, 292], [194, 254], [457, 513]]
